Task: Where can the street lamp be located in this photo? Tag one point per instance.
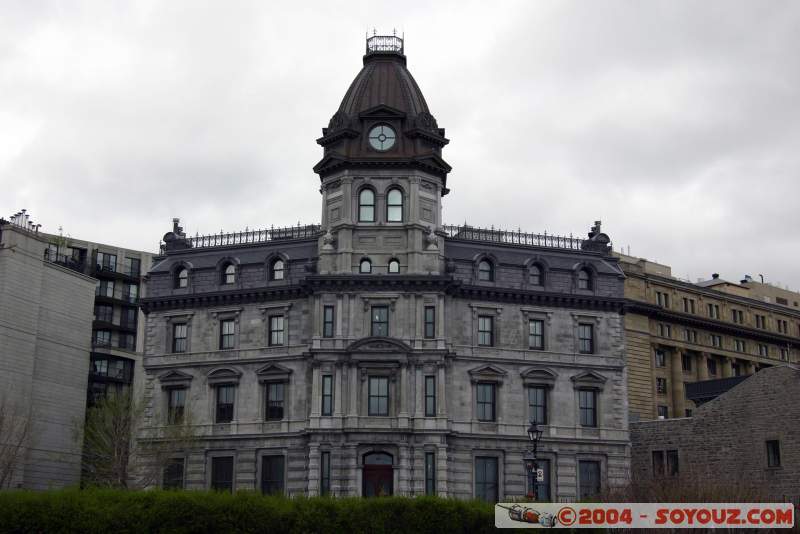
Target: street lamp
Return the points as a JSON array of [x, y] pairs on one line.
[[534, 434]]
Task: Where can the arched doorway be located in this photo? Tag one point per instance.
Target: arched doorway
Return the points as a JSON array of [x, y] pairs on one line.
[[378, 475]]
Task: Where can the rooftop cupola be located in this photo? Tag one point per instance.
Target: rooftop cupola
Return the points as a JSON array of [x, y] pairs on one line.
[[383, 120]]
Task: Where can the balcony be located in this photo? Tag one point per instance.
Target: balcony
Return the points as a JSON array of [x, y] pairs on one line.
[[65, 261]]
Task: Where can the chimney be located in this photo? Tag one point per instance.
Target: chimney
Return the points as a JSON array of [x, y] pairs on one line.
[[715, 276]]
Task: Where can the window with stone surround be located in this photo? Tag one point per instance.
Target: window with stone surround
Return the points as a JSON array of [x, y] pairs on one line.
[[328, 313], [661, 386], [486, 401], [485, 330], [773, 453], [378, 396]]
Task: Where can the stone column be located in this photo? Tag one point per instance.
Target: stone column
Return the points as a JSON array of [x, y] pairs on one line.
[[403, 475], [727, 371], [678, 393], [313, 469], [352, 405], [441, 399], [441, 471], [337, 392], [702, 366], [402, 416], [419, 385], [315, 394]]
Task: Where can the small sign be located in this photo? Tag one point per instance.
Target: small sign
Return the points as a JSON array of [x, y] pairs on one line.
[[540, 475]]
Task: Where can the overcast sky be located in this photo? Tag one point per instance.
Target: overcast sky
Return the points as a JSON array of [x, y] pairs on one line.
[[675, 123]]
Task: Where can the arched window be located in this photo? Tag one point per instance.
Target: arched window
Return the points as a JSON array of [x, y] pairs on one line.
[[584, 279], [536, 276], [394, 206], [485, 271], [366, 205], [229, 274], [182, 278], [277, 271], [365, 266], [394, 266]]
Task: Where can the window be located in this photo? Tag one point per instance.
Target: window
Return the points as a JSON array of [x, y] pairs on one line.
[[128, 317], [589, 479], [327, 321], [662, 299], [176, 405], [182, 278], [711, 363], [104, 288], [173, 474], [535, 277], [672, 463], [783, 326], [127, 341], [226, 334], [689, 335], [737, 316], [430, 473], [485, 271], [275, 330], [106, 262], [327, 394], [688, 412], [394, 266], [664, 330], [430, 322], [661, 359], [272, 472], [486, 481], [430, 396], [394, 205], [378, 395], [179, 334], [686, 362], [104, 312], [225, 398], [102, 338], [133, 267], [130, 292], [713, 311], [278, 270], [536, 334], [584, 279], [229, 274], [365, 267], [537, 405], [784, 354], [663, 412], [485, 330], [661, 386], [658, 463], [739, 345], [716, 341], [380, 321], [773, 453], [325, 473], [761, 321], [586, 338], [486, 401], [763, 350], [366, 205], [736, 368], [222, 473], [275, 395], [587, 403], [688, 305]]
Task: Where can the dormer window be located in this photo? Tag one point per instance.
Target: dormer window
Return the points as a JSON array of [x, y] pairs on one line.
[[485, 271], [366, 205], [584, 279], [394, 206], [365, 267], [394, 266], [182, 278], [277, 271], [229, 274]]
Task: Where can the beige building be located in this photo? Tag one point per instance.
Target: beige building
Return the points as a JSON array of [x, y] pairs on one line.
[[679, 332]]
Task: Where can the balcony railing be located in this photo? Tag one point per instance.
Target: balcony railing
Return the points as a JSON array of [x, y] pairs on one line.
[[510, 237], [66, 261], [247, 237]]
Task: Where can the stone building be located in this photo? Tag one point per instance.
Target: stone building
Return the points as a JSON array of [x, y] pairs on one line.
[[748, 437], [45, 329], [680, 333], [383, 351]]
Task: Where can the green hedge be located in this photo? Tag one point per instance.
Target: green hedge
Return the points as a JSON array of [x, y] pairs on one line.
[[120, 512]]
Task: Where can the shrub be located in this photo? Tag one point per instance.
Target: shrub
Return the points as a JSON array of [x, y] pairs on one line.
[[119, 511]]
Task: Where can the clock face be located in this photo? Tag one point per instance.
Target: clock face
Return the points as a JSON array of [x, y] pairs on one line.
[[381, 137]]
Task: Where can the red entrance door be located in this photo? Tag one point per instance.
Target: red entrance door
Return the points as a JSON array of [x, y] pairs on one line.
[[378, 475]]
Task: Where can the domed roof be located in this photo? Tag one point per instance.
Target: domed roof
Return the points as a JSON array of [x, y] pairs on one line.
[[384, 80]]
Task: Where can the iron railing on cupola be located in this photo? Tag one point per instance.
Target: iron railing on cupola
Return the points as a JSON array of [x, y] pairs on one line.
[[378, 44], [247, 237], [466, 232]]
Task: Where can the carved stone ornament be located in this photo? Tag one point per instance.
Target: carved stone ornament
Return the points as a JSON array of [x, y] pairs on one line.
[[337, 121], [431, 240], [328, 240]]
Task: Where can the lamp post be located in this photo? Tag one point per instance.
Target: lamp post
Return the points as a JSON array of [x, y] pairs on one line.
[[531, 466]]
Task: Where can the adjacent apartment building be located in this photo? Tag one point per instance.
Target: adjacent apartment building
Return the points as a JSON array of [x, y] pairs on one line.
[[45, 333], [382, 351], [681, 334]]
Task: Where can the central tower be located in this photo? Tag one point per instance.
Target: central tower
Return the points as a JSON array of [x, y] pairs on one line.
[[382, 173]]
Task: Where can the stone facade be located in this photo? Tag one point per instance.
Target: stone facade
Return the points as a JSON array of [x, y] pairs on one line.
[[725, 442], [679, 333], [45, 329], [401, 347]]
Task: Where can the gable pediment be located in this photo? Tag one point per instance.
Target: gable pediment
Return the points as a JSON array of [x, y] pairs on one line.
[[175, 379], [382, 111], [589, 380], [487, 373], [273, 372], [539, 376], [378, 344], [224, 375]]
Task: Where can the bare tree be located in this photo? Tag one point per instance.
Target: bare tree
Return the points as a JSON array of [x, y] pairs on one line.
[[110, 444], [15, 425]]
